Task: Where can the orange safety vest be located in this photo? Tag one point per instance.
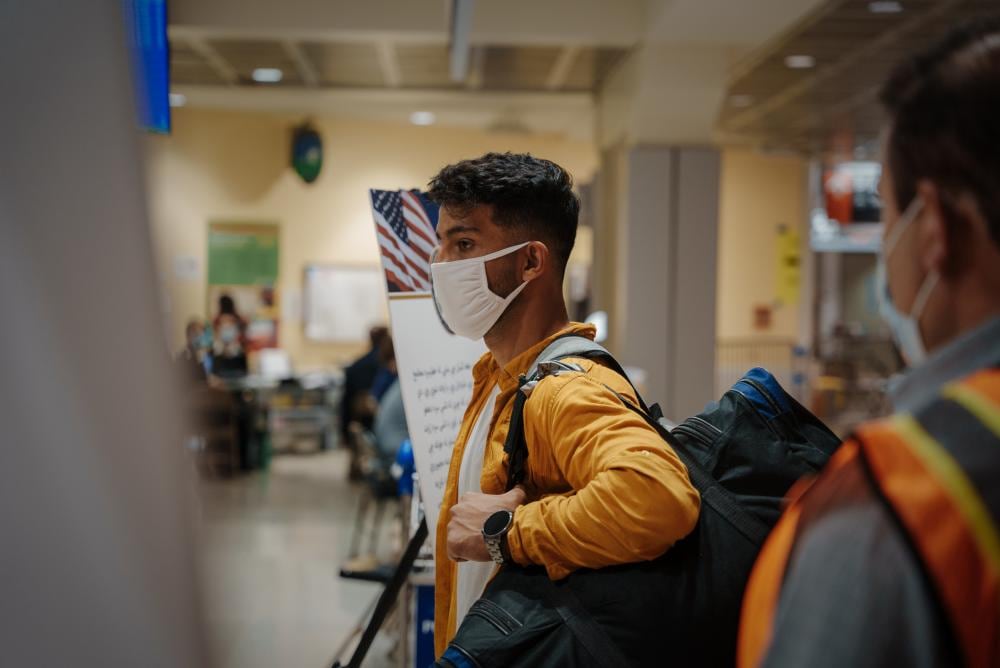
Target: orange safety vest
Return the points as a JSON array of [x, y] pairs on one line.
[[939, 472]]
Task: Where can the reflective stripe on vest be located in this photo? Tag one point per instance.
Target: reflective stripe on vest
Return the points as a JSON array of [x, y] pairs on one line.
[[940, 472]]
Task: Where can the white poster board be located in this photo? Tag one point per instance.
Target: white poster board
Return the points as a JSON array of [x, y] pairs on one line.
[[435, 376], [435, 367], [341, 303]]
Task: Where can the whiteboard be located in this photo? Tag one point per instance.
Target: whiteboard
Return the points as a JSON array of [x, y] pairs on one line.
[[342, 302]]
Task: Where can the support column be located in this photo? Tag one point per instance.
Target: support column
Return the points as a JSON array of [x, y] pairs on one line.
[[663, 268]]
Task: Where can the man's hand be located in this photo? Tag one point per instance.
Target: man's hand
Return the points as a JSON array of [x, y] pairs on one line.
[[465, 526]]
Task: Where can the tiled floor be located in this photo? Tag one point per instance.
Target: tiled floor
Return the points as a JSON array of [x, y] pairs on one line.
[[272, 548]]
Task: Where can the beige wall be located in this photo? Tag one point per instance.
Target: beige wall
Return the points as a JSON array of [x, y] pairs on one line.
[[234, 166], [758, 193]]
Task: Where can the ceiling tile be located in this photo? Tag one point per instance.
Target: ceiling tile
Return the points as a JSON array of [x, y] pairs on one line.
[[518, 68], [855, 51], [346, 63]]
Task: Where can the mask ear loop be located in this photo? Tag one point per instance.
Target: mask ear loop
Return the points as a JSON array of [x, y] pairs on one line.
[[901, 225], [931, 281], [514, 249], [923, 295], [503, 252], [437, 306], [510, 298], [540, 243]]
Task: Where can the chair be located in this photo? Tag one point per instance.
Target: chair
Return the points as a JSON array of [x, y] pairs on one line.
[[379, 489], [299, 419]]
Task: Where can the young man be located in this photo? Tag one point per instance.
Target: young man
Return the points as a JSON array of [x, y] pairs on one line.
[[601, 487], [892, 557]]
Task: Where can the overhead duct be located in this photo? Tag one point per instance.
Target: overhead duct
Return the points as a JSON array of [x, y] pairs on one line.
[[461, 26]]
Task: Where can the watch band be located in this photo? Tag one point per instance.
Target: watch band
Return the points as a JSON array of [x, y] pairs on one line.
[[496, 542], [505, 550], [495, 547]]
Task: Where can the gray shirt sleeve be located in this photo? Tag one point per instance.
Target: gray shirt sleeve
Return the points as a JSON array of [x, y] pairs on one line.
[[855, 596]]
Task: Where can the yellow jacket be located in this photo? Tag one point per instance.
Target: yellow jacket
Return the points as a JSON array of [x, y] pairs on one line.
[[602, 486]]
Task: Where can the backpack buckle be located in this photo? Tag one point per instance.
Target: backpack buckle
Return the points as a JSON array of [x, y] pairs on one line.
[[527, 384]]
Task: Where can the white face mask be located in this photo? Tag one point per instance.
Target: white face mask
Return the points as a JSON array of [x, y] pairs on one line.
[[228, 333], [905, 327], [463, 298]]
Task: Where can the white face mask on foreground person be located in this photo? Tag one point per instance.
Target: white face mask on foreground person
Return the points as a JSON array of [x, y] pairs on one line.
[[462, 294]]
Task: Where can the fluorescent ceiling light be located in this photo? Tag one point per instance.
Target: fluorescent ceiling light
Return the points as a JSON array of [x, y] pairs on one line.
[[800, 62], [178, 99], [423, 118], [885, 7], [267, 75]]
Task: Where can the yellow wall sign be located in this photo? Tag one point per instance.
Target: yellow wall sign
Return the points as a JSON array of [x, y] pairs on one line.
[[788, 274]]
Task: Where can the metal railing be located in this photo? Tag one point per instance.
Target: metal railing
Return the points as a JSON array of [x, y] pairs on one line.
[[782, 357]]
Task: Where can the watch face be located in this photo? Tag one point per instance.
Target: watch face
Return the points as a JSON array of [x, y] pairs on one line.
[[496, 523]]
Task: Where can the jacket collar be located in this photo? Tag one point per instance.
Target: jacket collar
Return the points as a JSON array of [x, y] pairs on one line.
[[487, 366]]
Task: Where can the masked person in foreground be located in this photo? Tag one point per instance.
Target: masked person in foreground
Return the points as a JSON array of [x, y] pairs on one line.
[[601, 487], [892, 556]]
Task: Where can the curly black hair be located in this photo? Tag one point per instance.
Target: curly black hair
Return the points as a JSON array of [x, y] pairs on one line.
[[525, 192], [944, 109]]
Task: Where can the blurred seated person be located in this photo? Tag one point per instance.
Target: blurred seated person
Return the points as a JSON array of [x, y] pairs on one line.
[[384, 378], [357, 404], [390, 420], [229, 360], [193, 360], [386, 375]]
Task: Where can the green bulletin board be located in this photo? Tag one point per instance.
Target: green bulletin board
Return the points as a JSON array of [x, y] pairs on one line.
[[242, 254]]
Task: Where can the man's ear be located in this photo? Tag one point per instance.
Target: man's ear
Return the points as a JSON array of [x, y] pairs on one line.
[[934, 242], [536, 261]]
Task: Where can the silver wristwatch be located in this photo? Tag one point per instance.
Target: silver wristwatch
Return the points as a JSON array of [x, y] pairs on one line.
[[495, 531]]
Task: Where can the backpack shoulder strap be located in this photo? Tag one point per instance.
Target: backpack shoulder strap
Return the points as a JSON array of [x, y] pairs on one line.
[[569, 345], [574, 345], [712, 492], [549, 362]]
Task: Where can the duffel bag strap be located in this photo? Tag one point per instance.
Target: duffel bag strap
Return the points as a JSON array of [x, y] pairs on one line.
[[587, 632], [712, 493]]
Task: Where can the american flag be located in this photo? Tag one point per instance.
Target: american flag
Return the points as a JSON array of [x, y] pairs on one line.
[[405, 221]]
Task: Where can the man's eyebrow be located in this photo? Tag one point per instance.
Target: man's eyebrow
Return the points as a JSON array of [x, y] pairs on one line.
[[459, 229]]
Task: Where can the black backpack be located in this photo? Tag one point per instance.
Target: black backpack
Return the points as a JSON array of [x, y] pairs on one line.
[[682, 609]]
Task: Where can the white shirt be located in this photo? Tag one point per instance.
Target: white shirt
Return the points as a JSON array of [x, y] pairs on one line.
[[473, 575]]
